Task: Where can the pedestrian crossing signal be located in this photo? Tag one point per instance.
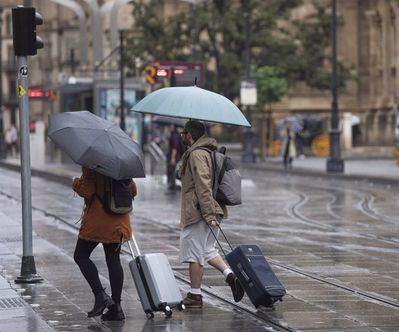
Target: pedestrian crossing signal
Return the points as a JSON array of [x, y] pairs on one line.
[[24, 22]]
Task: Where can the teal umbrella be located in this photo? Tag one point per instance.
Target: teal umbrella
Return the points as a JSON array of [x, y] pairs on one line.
[[192, 102]]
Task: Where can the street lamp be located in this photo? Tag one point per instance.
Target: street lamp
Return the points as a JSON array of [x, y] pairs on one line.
[[248, 154], [334, 162], [3, 152], [194, 40], [122, 81]]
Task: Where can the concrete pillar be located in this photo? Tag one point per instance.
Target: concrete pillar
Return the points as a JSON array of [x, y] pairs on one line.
[[37, 143], [390, 128], [347, 130], [373, 134], [381, 127]]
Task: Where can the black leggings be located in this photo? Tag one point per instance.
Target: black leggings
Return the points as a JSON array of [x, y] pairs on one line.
[[89, 270]]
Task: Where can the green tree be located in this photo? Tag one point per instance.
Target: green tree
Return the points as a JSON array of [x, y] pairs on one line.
[[271, 86], [288, 51], [314, 54]]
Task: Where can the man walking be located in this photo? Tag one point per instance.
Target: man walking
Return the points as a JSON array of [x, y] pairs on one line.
[[174, 154], [199, 210]]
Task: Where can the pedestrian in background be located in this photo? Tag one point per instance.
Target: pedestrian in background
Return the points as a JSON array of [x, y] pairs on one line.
[[14, 140], [175, 152], [8, 141], [199, 213], [288, 148], [111, 230]]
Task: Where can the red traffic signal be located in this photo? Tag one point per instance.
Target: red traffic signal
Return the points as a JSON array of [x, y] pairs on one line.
[[24, 22]]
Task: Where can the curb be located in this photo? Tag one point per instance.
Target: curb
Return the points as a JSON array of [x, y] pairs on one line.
[[337, 176], [66, 180], [60, 178]]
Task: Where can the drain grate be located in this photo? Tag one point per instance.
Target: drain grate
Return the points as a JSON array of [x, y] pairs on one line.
[[12, 302]]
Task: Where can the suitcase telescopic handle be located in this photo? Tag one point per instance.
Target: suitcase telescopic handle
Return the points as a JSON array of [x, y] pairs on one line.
[[216, 238], [135, 245]]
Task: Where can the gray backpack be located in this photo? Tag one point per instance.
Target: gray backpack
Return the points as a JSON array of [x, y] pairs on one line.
[[118, 197], [227, 178]]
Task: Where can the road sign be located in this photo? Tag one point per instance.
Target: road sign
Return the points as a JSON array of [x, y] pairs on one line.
[[248, 93], [151, 74], [184, 73]]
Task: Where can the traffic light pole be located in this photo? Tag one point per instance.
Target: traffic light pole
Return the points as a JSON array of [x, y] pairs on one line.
[[28, 268], [26, 42]]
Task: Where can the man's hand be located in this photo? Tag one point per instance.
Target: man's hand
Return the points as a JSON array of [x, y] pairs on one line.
[[214, 223]]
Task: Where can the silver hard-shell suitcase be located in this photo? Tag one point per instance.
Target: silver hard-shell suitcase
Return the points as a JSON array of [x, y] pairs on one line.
[[155, 282]]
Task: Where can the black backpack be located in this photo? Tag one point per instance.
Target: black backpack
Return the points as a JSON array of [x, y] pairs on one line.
[[118, 197]]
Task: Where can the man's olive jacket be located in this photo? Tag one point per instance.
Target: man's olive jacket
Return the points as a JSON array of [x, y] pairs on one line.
[[197, 179]]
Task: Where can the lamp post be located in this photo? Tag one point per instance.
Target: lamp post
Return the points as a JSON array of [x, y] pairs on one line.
[[193, 31], [334, 162], [122, 81], [3, 152], [248, 154]]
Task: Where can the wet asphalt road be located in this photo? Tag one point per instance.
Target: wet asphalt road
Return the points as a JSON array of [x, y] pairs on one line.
[[334, 244]]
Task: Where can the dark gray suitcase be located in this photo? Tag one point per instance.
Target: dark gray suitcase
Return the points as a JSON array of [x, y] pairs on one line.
[[254, 273], [155, 282], [256, 276]]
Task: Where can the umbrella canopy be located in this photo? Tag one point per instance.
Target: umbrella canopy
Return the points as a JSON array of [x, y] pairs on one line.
[[167, 120], [98, 144], [192, 102], [295, 123]]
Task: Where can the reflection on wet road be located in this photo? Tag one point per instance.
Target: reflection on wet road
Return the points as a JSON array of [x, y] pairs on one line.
[[334, 244]]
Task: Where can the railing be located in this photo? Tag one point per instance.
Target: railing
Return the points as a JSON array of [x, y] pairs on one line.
[[156, 156], [9, 66]]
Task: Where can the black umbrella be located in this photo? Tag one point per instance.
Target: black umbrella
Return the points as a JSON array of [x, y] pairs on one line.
[[97, 143]]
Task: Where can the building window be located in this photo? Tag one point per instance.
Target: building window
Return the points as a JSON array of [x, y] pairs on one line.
[[393, 55], [8, 25], [10, 56], [12, 89], [393, 40]]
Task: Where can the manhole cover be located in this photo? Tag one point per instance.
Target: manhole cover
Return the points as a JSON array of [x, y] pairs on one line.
[[13, 302]]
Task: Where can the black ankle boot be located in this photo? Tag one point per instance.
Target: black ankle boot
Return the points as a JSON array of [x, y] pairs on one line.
[[102, 300], [114, 312]]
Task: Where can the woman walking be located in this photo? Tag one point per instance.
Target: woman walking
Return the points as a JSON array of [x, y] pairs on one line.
[[111, 230], [288, 148]]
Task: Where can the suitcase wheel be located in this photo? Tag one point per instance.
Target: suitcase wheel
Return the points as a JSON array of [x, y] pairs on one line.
[[168, 311], [181, 306], [149, 314]]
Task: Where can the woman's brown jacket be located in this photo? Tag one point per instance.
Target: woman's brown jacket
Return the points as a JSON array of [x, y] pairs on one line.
[[98, 225]]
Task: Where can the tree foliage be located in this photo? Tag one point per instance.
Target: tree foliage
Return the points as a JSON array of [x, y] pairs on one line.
[[283, 51], [271, 85]]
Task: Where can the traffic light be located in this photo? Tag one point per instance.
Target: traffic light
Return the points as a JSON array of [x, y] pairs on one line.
[[24, 21]]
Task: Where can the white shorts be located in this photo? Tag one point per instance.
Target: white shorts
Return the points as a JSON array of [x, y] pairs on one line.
[[197, 244]]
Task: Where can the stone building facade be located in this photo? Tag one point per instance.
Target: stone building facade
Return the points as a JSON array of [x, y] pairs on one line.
[[367, 41]]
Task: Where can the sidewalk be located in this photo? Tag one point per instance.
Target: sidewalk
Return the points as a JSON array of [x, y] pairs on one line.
[[15, 313], [367, 167], [62, 300], [378, 170]]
